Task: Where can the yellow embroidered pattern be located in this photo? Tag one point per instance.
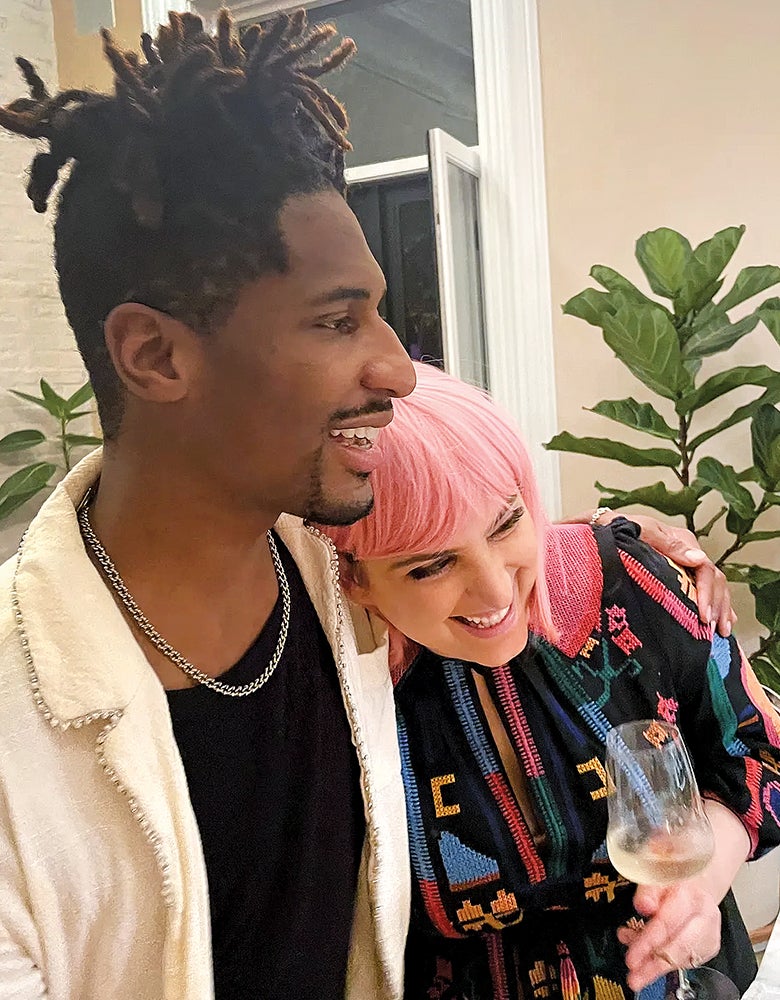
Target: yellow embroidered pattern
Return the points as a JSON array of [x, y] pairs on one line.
[[595, 765], [438, 802]]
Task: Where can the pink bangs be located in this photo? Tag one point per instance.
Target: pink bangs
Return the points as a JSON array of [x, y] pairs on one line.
[[450, 456]]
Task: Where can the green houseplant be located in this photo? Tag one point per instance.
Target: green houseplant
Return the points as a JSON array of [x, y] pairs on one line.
[[25, 483], [663, 344]]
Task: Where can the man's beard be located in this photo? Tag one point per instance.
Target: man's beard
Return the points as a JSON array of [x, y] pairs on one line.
[[337, 513]]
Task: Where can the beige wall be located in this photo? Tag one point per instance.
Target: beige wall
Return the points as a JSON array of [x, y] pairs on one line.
[[79, 57], [656, 113]]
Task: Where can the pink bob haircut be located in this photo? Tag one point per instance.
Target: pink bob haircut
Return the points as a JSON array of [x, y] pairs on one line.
[[450, 456]]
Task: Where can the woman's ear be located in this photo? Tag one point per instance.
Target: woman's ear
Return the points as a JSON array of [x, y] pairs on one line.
[[353, 579]]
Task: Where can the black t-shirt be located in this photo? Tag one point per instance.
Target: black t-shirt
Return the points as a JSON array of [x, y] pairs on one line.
[[274, 782]]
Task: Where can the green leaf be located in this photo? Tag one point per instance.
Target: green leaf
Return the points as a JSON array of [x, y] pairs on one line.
[[10, 504], [723, 478], [760, 536], [717, 334], [668, 502], [765, 436], [645, 340], [641, 416], [703, 269], [726, 381], [80, 396], [32, 399], [766, 672], [737, 524], [750, 281], [769, 314], [768, 605], [771, 396], [610, 279], [754, 576], [30, 479], [20, 440], [76, 440], [590, 305], [57, 406], [663, 255], [604, 448]]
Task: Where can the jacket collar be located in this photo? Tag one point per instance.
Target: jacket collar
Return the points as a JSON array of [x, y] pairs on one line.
[[83, 653]]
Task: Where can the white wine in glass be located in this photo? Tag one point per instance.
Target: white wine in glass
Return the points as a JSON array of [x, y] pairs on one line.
[[658, 832]]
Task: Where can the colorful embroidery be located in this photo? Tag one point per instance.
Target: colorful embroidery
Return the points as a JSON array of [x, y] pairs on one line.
[[510, 902], [544, 978], [598, 884], [606, 989], [621, 634], [465, 867], [594, 764], [669, 601], [418, 843], [667, 709], [438, 801], [488, 762]]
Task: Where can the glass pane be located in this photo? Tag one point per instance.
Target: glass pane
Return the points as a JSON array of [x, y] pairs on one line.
[[414, 70], [464, 222], [397, 218]]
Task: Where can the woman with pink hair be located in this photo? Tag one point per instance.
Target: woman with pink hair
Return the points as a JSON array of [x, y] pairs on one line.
[[515, 645]]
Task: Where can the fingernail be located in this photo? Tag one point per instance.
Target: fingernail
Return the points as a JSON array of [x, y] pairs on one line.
[[707, 615], [694, 553], [713, 626], [727, 629]]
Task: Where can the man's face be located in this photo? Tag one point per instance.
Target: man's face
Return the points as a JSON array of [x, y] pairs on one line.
[[293, 389]]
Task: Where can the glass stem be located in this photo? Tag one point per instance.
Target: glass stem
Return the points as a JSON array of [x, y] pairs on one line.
[[684, 989]]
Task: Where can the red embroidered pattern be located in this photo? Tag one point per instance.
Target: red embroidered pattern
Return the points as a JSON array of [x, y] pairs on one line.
[[661, 594]]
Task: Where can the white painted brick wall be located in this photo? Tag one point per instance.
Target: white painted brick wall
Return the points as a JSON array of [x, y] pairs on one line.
[[35, 339]]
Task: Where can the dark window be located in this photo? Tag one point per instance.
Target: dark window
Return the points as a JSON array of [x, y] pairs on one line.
[[397, 219]]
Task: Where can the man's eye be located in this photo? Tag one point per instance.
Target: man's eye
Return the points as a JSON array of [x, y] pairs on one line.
[[425, 572], [344, 324]]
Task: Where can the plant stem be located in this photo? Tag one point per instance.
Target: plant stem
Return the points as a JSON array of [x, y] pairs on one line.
[[764, 644], [64, 443], [685, 470]]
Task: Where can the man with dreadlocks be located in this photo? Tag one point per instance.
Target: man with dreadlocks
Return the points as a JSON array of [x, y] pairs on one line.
[[196, 829]]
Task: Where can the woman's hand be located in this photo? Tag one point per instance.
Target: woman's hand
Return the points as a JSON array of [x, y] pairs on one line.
[[680, 545], [681, 930]]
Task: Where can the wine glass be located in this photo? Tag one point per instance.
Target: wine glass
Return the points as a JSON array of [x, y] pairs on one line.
[[658, 832]]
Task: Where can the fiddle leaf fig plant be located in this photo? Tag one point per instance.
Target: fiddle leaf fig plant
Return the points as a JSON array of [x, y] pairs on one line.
[[25, 483], [663, 344]]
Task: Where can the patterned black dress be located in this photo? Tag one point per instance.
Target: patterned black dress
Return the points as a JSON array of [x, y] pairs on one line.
[[501, 914]]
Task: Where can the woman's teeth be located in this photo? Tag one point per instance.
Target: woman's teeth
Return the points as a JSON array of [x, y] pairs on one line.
[[490, 621], [361, 437]]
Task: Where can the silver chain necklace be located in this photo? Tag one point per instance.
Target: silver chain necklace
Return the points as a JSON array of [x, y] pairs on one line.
[[112, 575]]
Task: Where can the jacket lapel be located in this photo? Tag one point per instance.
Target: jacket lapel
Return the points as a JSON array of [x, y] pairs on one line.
[[86, 669]]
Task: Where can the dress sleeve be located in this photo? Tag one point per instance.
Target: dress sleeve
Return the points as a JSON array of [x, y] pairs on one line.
[[730, 727]]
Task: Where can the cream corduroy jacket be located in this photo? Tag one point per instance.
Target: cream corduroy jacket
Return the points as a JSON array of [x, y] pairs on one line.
[[103, 890]]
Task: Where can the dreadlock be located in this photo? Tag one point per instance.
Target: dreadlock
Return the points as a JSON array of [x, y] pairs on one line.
[[177, 178]]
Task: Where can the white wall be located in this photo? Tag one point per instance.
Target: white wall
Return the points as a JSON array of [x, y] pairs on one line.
[[35, 339]]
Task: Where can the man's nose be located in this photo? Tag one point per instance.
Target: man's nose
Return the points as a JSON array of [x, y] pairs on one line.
[[389, 369]]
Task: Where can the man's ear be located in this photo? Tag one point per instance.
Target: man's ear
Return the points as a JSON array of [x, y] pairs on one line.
[[154, 355]]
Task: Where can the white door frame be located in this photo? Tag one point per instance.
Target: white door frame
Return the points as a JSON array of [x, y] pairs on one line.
[[515, 249]]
